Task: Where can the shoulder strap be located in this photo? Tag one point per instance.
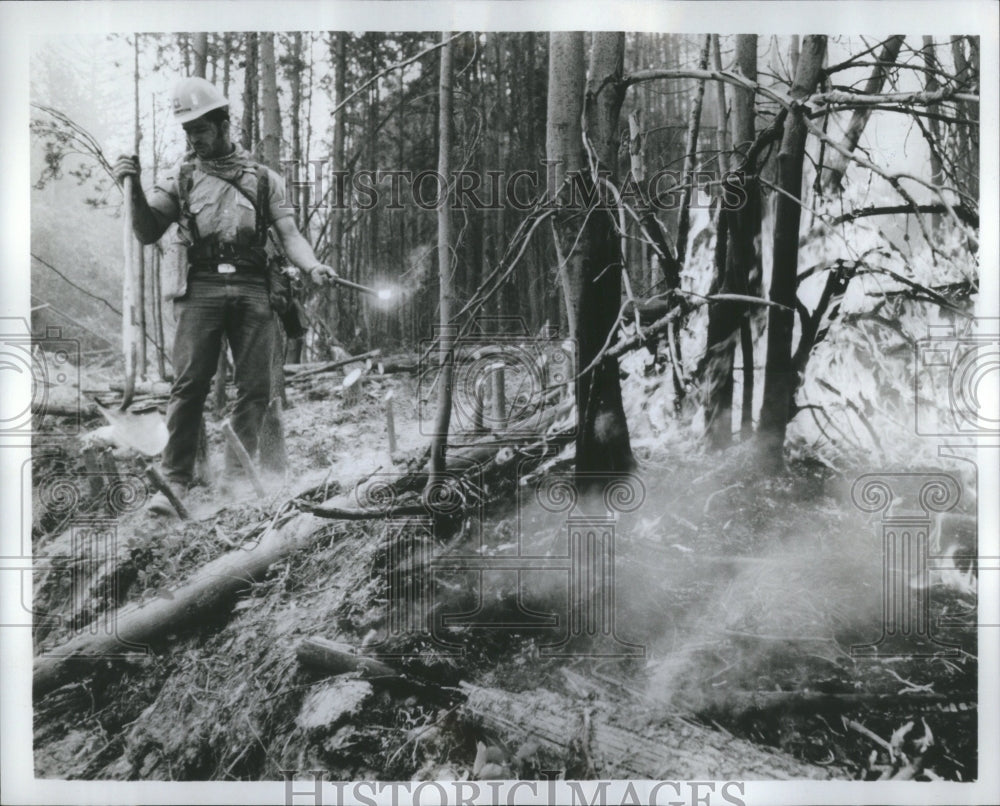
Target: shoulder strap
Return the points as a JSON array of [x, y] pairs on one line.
[[263, 206], [185, 180]]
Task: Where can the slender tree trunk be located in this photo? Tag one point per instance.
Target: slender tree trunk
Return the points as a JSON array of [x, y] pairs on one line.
[[690, 159], [294, 350], [499, 234], [837, 164], [399, 319], [747, 246], [684, 218], [780, 378], [328, 302], [249, 93], [295, 80], [602, 442], [736, 263], [481, 257], [967, 75], [227, 57], [273, 455], [439, 440], [270, 112], [637, 166], [722, 116], [199, 46], [140, 250], [564, 152], [184, 43], [155, 291]]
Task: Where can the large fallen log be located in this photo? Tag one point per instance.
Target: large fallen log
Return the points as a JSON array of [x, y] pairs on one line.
[[212, 590], [623, 743]]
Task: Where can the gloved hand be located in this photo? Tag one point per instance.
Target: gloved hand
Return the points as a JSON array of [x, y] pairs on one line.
[[321, 274], [125, 166]]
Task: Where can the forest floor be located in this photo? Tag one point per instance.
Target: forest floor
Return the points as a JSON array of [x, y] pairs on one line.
[[745, 592]]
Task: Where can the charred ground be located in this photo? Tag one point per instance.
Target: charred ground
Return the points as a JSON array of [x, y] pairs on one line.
[[746, 591]]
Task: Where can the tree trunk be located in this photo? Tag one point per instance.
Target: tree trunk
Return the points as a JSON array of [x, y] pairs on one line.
[[249, 93], [199, 45], [837, 165], [270, 112], [967, 75], [499, 234], [140, 250], [273, 454], [564, 154], [690, 159], [327, 302], [748, 221], [738, 269], [780, 377], [637, 166], [294, 349], [156, 256], [295, 79], [227, 58], [602, 442], [439, 440], [722, 117]]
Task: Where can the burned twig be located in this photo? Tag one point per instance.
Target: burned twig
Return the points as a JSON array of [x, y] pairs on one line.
[[161, 484]]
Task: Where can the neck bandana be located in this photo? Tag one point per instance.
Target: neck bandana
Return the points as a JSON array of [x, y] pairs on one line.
[[228, 167]]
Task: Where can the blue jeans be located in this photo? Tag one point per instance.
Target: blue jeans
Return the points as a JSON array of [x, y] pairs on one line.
[[237, 306]]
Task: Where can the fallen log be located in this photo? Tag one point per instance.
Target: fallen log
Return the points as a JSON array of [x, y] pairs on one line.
[[212, 590], [82, 411], [620, 743], [329, 366]]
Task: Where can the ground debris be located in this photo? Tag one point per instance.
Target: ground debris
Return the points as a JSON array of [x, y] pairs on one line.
[[331, 702]]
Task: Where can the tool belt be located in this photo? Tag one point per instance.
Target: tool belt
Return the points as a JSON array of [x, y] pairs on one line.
[[208, 256]]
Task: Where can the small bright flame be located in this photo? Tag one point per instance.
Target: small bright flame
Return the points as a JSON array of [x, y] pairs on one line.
[[385, 294]]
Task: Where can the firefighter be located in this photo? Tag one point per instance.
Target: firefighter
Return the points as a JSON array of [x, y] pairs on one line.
[[224, 204]]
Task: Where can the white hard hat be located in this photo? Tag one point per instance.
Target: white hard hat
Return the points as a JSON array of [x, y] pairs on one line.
[[194, 96]]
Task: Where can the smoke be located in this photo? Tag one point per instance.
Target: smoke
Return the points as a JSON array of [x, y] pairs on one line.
[[419, 263]]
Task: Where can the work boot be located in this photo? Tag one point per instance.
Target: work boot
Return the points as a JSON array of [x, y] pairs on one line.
[[159, 504]]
